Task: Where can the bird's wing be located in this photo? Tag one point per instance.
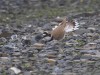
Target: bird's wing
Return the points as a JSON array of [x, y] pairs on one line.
[[63, 24]]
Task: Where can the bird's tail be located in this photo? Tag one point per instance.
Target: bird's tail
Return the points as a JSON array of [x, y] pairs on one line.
[[76, 25], [71, 26]]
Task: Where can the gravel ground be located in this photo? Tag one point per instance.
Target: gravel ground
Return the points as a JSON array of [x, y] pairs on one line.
[[77, 54], [23, 53]]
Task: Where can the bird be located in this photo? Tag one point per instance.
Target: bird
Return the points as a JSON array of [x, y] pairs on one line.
[[59, 31]]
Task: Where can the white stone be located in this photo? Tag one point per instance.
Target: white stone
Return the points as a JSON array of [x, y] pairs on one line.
[[16, 70]]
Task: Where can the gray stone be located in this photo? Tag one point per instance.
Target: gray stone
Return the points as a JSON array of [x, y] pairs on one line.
[[57, 70], [27, 73], [90, 46], [81, 31], [38, 46]]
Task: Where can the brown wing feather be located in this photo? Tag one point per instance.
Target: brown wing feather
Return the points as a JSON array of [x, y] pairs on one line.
[[58, 33]]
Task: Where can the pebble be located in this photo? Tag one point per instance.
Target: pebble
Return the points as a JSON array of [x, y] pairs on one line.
[[82, 31], [38, 37], [58, 19], [27, 73], [90, 46], [38, 46], [70, 73], [15, 70], [14, 37], [57, 71], [22, 48], [5, 34], [91, 28], [47, 26], [51, 56], [50, 60]]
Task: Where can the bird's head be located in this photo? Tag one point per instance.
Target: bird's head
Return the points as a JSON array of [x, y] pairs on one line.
[[47, 37], [45, 34]]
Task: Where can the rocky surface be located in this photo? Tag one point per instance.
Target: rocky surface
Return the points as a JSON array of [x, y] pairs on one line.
[[23, 53]]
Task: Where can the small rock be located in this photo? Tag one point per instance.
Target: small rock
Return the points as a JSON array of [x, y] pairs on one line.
[[38, 29], [10, 46], [51, 56], [42, 55], [29, 25], [83, 60], [82, 23], [47, 27], [15, 30], [14, 37], [93, 35], [16, 61], [88, 51], [53, 23], [27, 73], [5, 59], [5, 34], [15, 70], [26, 42], [97, 54], [32, 58], [89, 61], [38, 37], [69, 44], [50, 60], [38, 45], [90, 46], [3, 55], [70, 73], [57, 71], [16, 54], [81, 31], [91, 28], [3, 40], [97, 41], [59, 19]]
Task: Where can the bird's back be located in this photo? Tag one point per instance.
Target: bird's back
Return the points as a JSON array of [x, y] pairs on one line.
[[58, 33]]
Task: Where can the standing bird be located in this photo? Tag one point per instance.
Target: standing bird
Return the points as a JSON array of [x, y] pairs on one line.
[[58, 32]]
